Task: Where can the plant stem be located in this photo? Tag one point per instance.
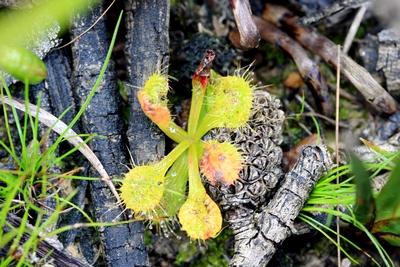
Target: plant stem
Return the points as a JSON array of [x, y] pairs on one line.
[[173, 131], [199, 84], [169, 159], [175, 187], [206, 125], [196, 188], [196, 105]]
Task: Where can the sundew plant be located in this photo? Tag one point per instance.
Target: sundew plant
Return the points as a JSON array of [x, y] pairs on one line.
[[158, 191]]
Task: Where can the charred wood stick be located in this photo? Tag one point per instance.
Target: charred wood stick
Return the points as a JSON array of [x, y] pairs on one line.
[[61, 97], [249, 35], [45, 249], [123, 244], [256, 245], [59, 83], [55, 97], [372, 91], [309, 71], [146, 50]]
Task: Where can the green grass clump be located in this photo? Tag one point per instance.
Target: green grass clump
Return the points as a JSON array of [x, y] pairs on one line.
[[360, 207], [25, 188]]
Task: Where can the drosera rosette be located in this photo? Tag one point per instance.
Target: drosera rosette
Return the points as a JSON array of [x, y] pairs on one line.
[[158, 192]]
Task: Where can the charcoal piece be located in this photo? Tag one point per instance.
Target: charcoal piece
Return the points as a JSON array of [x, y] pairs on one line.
[[123, 244], [55, 92], [59, 83], [146, 49]]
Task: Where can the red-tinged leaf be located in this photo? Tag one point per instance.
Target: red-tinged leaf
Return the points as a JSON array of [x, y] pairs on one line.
[[388, 230]]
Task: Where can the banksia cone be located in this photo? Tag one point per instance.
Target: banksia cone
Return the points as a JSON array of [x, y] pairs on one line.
[[220, 163]]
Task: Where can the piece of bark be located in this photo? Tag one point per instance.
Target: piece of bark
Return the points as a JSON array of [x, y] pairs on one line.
[[372, 91], [146, 49], [389, 59], [256, 245], [123, 244], [308, 69], [46, 249]]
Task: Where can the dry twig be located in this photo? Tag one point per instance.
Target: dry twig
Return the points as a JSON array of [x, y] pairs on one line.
[[249, 35], [372, 91], [336, 7], [307, 68]]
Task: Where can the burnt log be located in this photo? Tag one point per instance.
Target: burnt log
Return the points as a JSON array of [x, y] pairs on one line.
[[146, 50], [123, 244]]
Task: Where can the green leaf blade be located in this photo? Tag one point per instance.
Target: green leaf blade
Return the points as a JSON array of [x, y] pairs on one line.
[[364, 209]]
